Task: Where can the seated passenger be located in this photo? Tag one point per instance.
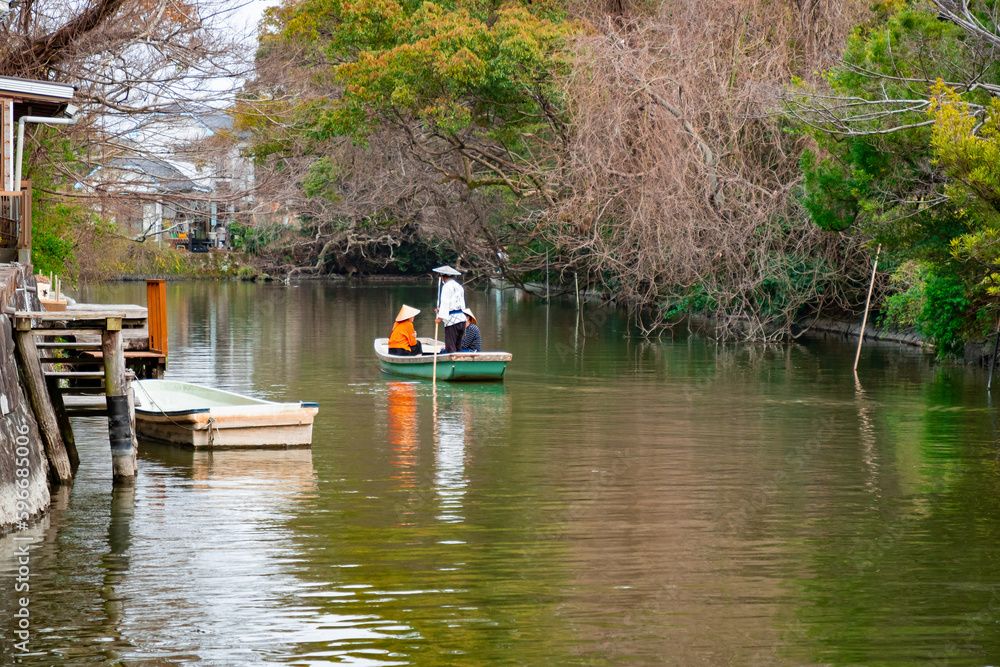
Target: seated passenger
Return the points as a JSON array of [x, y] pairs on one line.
[[472, 341], [403, 339]]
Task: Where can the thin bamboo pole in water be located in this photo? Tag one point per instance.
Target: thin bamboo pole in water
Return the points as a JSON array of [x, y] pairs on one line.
[[864, 321]]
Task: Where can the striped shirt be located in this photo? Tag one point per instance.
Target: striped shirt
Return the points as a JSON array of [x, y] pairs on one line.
[[472, 340]]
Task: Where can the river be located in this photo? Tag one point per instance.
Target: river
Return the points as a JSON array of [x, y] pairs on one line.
[[615, 501]]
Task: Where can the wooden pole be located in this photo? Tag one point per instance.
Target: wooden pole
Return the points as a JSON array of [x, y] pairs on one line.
[[546, 276], [123, 465], [24, 232], [993, 359], [864, 321], [60, 467], [65, 427], [437, 316], [130, 392]]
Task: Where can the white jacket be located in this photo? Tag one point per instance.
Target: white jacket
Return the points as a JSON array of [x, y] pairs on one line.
[[452, 303]]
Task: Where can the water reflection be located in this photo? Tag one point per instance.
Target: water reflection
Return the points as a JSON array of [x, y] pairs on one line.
[[460, 410], [866, 433], [403, 425], [116, 565], [449, 458], [284, 473]]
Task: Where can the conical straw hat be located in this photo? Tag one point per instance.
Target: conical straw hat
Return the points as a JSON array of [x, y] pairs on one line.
[[468, 312], [447, 270], [406, 312]]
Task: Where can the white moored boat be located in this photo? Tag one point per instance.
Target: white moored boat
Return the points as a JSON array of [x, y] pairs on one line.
[[196, 416]]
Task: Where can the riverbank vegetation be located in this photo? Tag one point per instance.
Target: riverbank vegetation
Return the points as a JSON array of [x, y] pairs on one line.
[[736, 159], [905, 131], [631, 146]]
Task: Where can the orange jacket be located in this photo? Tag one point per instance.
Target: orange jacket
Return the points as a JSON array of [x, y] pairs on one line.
[[403, 335]]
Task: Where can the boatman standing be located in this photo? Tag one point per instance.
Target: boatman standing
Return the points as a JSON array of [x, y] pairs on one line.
[[451, 308]]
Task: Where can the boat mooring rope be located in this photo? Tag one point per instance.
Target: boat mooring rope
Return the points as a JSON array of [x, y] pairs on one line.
[[210, 426]]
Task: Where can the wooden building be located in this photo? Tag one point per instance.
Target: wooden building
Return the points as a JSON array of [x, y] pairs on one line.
[[23, 101]]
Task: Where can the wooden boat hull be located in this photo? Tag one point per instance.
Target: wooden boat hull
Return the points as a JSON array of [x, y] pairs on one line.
[[455, 367], [189, 415]]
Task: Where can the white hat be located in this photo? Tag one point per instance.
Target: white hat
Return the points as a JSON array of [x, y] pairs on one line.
[[447, 270], [406, 312], [468, 312]]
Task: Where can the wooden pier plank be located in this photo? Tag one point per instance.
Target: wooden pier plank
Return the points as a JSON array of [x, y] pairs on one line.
[[129, 354], [67, 346], [131, 311], [84, 402], [73, 314], [135, 339], [69, 361], [93, 412], [75, 391], [42, 333]]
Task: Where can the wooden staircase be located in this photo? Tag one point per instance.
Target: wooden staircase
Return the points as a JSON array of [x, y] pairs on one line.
[[74, 364]]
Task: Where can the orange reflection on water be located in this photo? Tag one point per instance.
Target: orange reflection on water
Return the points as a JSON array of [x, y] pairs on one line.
[[403, 431]]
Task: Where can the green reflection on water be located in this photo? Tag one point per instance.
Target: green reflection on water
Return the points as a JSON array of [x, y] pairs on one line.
[[902, 567]]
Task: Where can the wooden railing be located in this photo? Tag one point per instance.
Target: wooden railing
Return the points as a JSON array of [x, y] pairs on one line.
[[15, 224]]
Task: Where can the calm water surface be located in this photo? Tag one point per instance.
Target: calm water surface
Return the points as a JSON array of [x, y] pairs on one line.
[[614, 501]]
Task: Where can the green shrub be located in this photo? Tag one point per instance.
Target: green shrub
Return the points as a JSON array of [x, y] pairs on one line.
[[942, 316]]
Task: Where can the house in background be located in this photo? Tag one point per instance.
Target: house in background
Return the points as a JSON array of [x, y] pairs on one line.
[[177, 175], [148, 197], [23, 101]]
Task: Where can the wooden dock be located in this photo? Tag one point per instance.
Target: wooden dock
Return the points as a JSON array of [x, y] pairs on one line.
[[80, 362]]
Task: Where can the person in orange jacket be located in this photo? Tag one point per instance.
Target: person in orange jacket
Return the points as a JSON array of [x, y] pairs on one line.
[[403, 339]]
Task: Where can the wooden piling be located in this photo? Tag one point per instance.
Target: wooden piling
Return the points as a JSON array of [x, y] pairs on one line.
[[60, 466], [62, 417], [123, 463], [130, 392]]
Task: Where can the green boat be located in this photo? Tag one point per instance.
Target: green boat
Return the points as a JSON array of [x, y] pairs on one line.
[[454, 367]]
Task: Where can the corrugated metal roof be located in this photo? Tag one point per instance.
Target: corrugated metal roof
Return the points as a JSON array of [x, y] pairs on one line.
[[61, 91]]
